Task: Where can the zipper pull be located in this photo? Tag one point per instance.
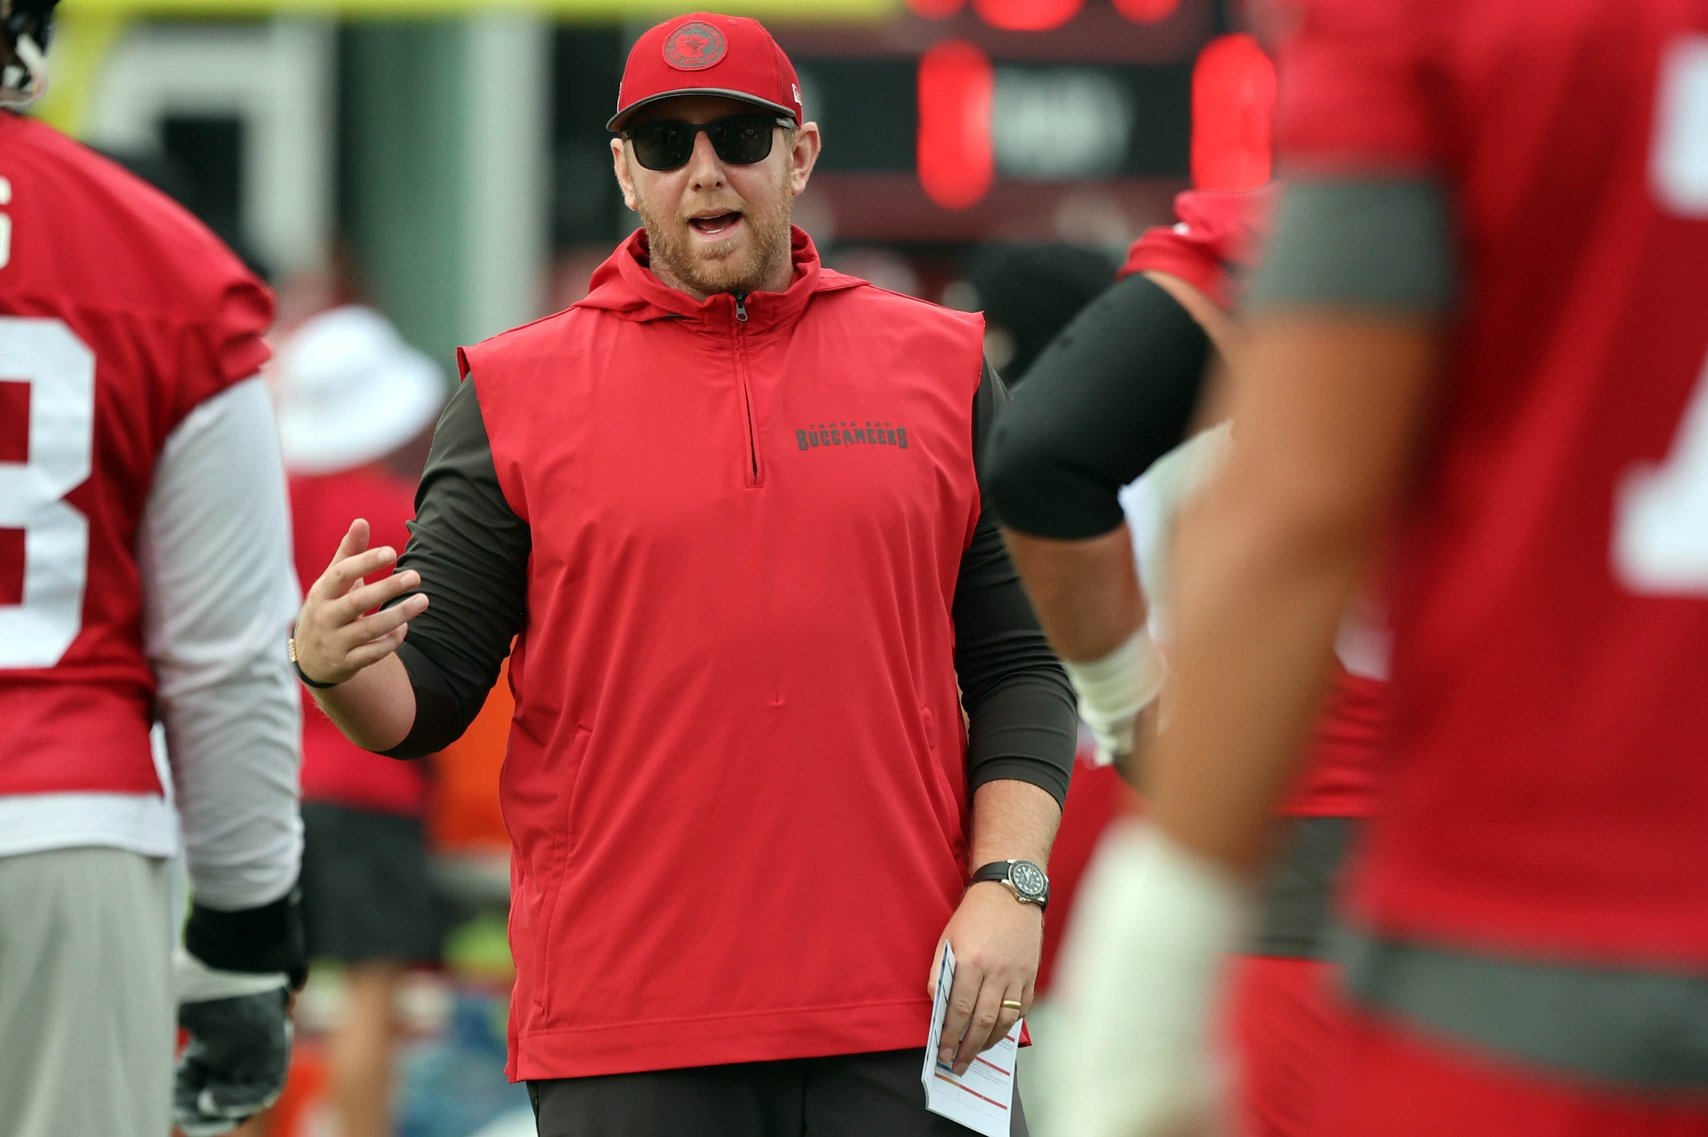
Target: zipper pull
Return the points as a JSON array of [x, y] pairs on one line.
[[740, 306]]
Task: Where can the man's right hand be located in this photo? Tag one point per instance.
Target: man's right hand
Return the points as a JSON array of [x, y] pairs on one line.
[[338, 633]]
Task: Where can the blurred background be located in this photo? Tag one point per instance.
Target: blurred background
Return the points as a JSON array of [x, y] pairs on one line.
[[444, 162], [448, 157]]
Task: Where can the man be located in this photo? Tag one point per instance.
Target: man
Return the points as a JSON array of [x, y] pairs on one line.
[[1530, 952], [144, 570], [1104, 404], [729, 504], [355, 406]]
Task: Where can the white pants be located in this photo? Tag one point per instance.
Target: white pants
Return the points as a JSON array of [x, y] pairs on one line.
[[86, 1010]]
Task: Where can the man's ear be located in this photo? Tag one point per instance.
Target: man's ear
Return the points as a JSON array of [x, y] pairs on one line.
[[625, 176], [803, 156]]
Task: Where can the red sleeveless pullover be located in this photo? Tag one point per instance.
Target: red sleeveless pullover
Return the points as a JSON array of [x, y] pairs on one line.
[[736, 778]]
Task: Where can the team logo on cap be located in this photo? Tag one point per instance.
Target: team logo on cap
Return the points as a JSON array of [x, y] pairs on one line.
[[694, 46]]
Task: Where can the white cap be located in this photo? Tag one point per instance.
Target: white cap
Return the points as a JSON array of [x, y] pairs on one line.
[[351, 391]]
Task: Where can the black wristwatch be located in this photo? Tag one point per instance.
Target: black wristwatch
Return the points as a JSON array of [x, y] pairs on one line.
[[1023, 878]]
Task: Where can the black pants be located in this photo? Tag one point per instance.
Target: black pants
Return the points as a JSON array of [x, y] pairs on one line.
[[853, 1095]]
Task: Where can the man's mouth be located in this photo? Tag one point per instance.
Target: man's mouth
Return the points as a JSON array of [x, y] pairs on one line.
[[715, 224]]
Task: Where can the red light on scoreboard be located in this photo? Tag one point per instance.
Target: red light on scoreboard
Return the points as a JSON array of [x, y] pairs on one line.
[[1147, 11], [1026, 15], [957, 161], [1233, 113], [934, 9]]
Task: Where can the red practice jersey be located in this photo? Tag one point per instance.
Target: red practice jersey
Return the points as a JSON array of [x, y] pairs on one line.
[[119, 313], [1547, 790], [1213, 246]]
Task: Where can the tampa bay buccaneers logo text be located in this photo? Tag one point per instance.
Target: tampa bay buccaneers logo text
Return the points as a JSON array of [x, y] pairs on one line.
[[866, 433]]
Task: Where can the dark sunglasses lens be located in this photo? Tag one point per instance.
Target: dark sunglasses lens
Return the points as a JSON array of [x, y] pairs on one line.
[[742, 139], [662, 145]]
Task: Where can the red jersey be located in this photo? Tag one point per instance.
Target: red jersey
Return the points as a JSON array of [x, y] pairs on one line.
[[1547, 791], [334, 769], [1215, 243], [119, 313]]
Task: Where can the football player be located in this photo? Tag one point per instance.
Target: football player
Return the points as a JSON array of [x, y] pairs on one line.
[[1479, 342], [1119, 387], [145, 576]]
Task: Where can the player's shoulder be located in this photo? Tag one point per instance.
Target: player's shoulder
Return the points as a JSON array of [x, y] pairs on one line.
[[1217, 235], [82, 222], [1235, 220]]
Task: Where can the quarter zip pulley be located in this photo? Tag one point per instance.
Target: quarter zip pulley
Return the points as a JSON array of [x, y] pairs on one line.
[[754, 475]]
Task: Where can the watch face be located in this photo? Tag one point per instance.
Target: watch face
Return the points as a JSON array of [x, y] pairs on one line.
[[1028, 878]]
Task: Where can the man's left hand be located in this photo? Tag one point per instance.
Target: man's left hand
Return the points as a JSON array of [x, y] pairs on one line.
[[997, 941]]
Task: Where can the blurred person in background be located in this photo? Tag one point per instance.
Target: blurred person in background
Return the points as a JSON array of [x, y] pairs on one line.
[[1089, 534], [356, 404], [729, 502], [144, 575], [1027, 293], [1528, 952]]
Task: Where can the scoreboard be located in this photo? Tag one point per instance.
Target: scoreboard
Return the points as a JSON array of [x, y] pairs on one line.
[[968, 118]]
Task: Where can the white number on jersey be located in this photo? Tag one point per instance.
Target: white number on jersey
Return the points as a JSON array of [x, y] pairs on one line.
[[5, 224], [59, 370], [1660, 526], [1660, 530], [1678, 154]]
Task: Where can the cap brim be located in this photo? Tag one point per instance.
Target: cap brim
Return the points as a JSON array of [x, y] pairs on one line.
[[622, 116]]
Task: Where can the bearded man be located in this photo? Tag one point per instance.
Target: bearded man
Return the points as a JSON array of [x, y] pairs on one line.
[[786, 725]]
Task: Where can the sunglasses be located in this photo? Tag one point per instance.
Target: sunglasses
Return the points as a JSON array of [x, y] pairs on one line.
[[739, 139]]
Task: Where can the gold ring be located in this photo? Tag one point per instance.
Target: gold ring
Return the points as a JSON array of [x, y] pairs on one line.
[[1015, 1003]]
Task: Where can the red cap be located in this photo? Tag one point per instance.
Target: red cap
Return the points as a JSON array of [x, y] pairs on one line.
[[703, 53]]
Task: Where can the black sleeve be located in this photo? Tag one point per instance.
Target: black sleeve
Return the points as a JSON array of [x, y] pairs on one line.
[[472, 553], [1112, 393], [1021, 714]]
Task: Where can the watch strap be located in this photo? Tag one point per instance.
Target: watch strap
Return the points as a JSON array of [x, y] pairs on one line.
[[999, 872]]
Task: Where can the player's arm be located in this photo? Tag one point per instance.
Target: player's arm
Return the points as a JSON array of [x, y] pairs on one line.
[[1021, 730], [218, 587], [1345, 324], [1114, 392], [458, 594], [1347, 329], [1346, 338], [219, 591]]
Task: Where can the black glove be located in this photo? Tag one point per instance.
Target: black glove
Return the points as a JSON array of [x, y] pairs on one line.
[[239, 1051], [235, 976]]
